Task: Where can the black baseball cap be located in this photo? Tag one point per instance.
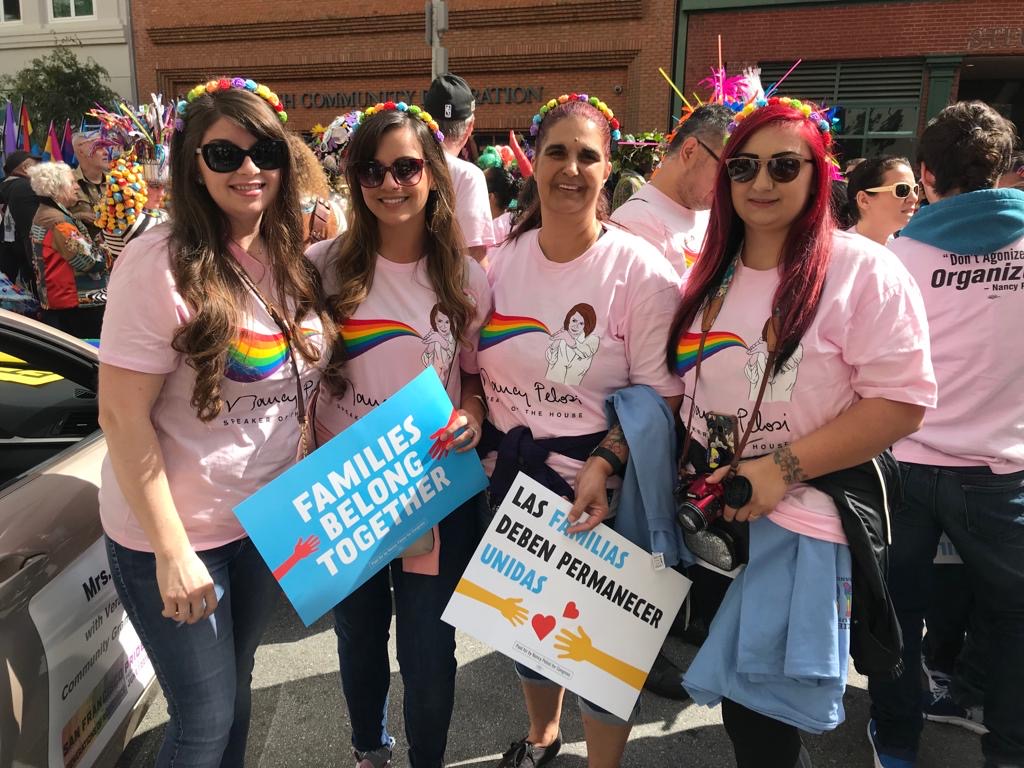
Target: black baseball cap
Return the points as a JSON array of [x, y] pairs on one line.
[[17, 158], [449, 98]]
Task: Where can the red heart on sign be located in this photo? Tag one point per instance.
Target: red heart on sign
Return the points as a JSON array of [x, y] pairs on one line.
[[571, 611], [543, 625]]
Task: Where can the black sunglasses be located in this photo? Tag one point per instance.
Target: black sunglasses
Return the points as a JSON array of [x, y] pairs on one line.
[[225, 157], [406, 171], [781, 169]]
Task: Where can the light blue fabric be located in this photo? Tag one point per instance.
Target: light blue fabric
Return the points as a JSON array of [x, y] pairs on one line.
[[780, 642], [974, 222], [646, 511]]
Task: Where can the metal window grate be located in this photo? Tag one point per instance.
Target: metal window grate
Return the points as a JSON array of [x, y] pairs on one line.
[[842, 82]]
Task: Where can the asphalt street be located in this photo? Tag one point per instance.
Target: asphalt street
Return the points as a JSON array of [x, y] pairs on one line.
[[299, 716]]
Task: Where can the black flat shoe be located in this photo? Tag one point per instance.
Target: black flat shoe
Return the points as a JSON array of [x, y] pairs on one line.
[[523, 754]]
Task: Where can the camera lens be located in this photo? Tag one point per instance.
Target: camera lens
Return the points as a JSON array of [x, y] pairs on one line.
[[694, 516]]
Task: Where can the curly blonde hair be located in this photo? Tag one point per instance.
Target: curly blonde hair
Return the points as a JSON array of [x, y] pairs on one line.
[[309, 176], [53, 180]]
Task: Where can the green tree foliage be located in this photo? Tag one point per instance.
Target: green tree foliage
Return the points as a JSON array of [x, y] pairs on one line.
[[56, 87]]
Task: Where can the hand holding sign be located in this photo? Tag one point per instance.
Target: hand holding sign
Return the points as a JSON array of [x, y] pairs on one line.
[[547, 582]]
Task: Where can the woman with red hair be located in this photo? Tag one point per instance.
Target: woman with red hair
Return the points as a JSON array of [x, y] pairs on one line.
[[804, 351]]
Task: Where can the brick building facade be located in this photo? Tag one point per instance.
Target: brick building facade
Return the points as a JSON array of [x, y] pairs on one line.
[[892, 63], [325, 57]]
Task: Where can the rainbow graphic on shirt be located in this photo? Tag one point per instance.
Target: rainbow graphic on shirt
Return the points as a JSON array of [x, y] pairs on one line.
[[504, 327], [690, 257], [686, 352], [255, 356], [360, 336]]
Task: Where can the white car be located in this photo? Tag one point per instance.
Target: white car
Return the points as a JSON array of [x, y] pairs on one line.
[[77, 680]]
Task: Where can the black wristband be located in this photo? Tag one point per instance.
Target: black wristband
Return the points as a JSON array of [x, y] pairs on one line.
[[618, 468]]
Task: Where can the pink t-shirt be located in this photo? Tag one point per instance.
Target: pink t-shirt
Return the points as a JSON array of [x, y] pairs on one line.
[[869, 339], [674, 230], [211, 466], [472, 206], [565, 336], [394, 335], [975, 316]]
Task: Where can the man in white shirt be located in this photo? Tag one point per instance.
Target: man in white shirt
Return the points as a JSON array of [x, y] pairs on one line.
[[450, 102], [671, 211]]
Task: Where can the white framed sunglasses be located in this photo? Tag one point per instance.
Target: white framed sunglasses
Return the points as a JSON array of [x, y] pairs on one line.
[[900, 190]]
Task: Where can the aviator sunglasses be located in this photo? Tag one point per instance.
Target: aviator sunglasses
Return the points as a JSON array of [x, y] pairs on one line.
[[900, 190], [781, 169], [225, 157], [406, 171]]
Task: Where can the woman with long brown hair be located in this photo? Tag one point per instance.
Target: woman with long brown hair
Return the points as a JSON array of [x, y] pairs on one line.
[[215, 330], [400, 272]]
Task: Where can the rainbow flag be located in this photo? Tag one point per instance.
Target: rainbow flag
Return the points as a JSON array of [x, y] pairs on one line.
[[256, 356], [361, 336], [25, 129], [504, 327], [52, 149], [686, 351]]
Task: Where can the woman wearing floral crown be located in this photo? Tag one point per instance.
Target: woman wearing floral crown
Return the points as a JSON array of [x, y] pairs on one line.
[[592, 305], [220, 310], [825, 364]]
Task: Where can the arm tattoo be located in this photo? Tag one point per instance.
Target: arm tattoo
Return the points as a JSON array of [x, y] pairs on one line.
[[789, 464], [615, 442]]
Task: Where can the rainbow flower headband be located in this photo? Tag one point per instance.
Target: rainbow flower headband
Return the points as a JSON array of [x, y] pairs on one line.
[[410, 109], [582, 97], [227, 84], [822, 119]]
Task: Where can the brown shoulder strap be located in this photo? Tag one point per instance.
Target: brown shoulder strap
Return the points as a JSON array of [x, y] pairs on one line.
[[319, 220]]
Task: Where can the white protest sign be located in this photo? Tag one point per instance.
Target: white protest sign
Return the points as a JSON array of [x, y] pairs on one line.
[[589, 611]]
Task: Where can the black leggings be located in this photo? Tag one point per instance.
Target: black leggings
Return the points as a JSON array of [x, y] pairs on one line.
[[760, 741]]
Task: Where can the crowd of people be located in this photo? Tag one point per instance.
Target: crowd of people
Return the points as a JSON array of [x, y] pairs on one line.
[[836, 354]]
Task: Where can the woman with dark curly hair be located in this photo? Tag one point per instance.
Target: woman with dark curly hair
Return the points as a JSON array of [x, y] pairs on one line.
[[215, 330]]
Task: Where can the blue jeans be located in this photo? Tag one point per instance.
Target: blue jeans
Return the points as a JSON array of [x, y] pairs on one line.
[[983, 515], [426, 646], [204, 669]]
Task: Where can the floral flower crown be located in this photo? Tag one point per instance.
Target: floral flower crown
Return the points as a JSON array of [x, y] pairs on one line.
[[581, 97], [410, 109], [227, 84], [822, 119]]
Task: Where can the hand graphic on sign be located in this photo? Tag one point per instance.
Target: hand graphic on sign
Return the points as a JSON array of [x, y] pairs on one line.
[[303, 549], [509, 607], [580, 648], [460, 433]]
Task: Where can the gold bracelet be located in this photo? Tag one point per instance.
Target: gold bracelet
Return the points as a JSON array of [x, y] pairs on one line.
[[483, 402]]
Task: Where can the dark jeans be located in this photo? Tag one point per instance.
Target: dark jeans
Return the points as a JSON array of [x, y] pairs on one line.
[[204, 669], [426, 646], [82, 323], [947, 617], [983, 515]]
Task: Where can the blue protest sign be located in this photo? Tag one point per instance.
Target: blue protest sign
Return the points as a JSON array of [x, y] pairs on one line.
[[335, 519]]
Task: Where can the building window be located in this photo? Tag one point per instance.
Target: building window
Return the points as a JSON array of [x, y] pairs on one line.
[[11, 11], [71, 9], [881, 101]]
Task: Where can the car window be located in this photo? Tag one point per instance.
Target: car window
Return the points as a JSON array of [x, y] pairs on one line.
[[42, 411]]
